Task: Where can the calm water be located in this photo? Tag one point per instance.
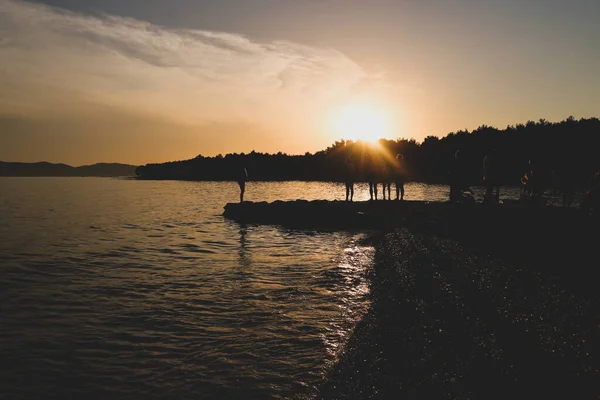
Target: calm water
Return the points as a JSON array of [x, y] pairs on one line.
[[141, 289]]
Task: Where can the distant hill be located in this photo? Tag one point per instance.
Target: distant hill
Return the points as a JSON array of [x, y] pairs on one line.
[[49, 169]]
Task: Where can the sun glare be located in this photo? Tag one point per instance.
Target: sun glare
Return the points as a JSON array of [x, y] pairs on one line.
[[359, 121]]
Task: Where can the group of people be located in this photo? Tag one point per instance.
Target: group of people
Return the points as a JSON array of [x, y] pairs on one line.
[[459, 185], [377, 169], [380, 168], [533, 183], [460, 191]]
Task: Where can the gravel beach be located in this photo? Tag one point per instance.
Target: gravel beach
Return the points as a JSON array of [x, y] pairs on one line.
[[456, 314]]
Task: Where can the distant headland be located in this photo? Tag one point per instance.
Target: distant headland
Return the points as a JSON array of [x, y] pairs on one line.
[[50, 169]]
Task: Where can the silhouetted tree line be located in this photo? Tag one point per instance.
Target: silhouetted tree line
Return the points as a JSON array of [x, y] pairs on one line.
[[569, 148]]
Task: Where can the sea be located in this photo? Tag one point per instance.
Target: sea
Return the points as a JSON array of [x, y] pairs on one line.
[[120, 288]]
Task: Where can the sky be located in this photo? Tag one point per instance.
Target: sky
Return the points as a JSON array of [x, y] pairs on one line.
[[141, 81]]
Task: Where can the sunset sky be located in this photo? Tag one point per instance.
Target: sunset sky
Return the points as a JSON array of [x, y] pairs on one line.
[[138, 81]]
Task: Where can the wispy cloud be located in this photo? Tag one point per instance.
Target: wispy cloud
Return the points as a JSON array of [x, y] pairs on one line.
[[57, 62]]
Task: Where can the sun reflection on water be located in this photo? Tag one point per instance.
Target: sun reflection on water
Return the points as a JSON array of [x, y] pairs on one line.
[[353, 291]]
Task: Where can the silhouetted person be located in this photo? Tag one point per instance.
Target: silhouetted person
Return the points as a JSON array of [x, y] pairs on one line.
[[371, 172], [458, 179], [386, 175], [373, 188], [243, 177], [350, 177], [491, 177], [349, 191], [534, 181], [399, 176], [525, 188], [387, 184]]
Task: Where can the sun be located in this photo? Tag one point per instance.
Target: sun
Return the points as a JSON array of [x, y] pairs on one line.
[[360, 121]]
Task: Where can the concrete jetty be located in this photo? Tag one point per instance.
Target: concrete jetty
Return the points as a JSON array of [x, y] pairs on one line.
[[384, 214]]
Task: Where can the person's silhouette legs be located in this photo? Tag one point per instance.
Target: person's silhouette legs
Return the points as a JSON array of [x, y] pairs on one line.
[[242, 190], [489, 193], [399, 191], [349, 191]]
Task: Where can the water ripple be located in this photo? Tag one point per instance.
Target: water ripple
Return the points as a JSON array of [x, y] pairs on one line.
[[138, 290]]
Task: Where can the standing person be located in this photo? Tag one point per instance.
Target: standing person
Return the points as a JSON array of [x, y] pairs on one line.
[[349, 178], [458, 180], [399, 176], [531, 180], [243, 177], [386, 171], [371, 169], [535, 181], [456, 177], [387, 184], [491, 177], [525, 187]]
